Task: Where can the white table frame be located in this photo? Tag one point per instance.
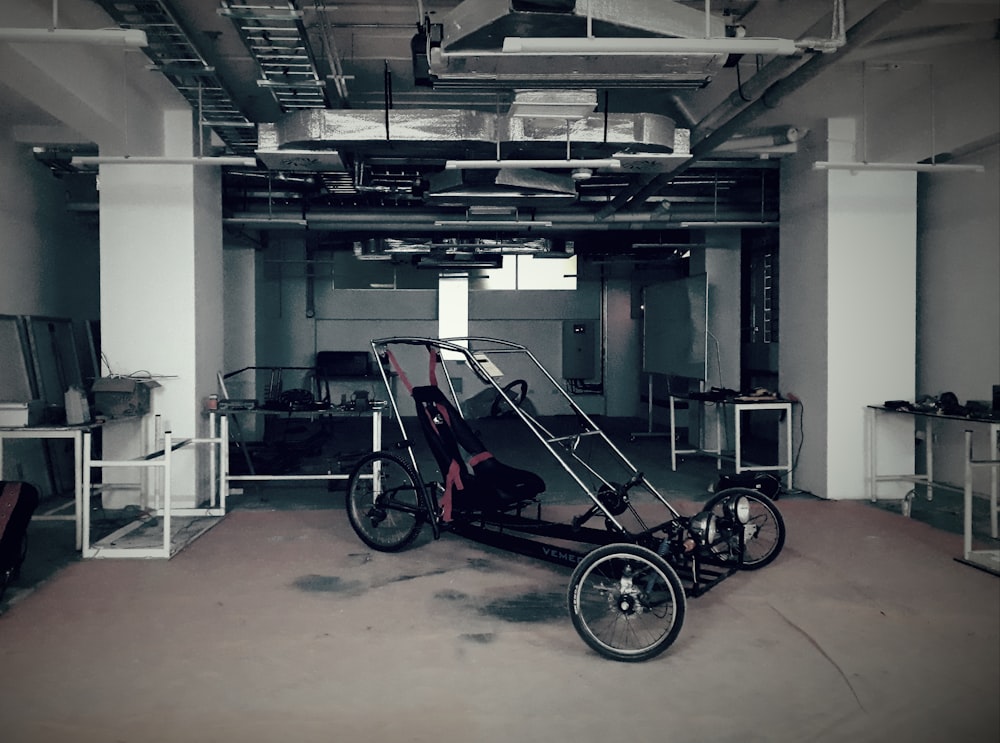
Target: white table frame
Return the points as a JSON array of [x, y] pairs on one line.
[[75, 433], [873, 412], [227, 478], [739, 407]]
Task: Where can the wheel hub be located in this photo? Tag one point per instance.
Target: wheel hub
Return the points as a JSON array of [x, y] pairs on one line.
[[626, 604]]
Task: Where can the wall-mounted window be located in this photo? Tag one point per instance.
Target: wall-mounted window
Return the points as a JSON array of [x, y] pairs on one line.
[[527, 272]]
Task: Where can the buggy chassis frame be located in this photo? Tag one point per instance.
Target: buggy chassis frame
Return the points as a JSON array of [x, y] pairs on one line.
[[679, 557]]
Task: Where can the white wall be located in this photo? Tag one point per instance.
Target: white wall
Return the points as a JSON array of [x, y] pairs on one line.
[[803, 291], [871, 336], [50, 257], [908, 108], [958, 318], [49, 261]]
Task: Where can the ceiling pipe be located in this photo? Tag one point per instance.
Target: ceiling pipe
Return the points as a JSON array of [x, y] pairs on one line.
[[432, 221], [786, 135], [858, 35]]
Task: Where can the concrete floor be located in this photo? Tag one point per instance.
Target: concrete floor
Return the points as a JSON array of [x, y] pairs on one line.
[[279, 624]]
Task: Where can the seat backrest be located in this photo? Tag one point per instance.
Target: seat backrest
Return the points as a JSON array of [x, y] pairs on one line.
[[446, 431]]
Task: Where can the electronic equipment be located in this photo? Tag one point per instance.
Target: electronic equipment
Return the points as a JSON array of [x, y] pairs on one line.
[[343, 364]]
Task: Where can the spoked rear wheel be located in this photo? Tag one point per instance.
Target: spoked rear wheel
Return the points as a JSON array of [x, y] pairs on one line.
[[385, 502], [763, 534], [626, 602]]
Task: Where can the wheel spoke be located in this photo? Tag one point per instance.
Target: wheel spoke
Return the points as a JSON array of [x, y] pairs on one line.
[[763, 536], [384, 501], [626, 602]]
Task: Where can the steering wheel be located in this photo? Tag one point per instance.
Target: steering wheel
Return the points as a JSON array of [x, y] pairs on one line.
[[517, 391]]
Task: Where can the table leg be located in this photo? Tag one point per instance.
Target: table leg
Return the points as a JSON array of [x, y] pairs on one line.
[[788, 443], [967, 499], [78, 488], [738, 433], [872, 455], [929, 456], [673, 435], [994, 476]]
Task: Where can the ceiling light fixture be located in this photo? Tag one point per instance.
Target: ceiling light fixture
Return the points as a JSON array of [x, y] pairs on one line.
[[265, 222], [124, 37], [914, 167], [587, 45], [491, 223], [244, 162], [710, 225], [608, 162]]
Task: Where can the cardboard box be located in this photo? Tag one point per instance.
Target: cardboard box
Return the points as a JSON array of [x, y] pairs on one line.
[[122, 397], [21, 414]]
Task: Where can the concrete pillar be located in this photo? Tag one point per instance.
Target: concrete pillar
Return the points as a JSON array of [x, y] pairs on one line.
[[848, 304], [622, 351], [161, 302], [721, 261]]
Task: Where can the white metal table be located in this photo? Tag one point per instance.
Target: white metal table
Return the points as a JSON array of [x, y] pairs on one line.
[[740, 406], [75, 433], [926, 478], [222, 418]]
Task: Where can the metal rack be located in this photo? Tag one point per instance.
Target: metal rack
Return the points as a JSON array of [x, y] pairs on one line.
[[174, 55], [276, 38], [157, 465]]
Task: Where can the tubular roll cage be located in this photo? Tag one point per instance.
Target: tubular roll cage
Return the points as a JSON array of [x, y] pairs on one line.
[[493, 528]]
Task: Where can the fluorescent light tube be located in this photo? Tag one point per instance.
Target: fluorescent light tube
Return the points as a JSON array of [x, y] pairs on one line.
[[915, 167], [245, 162], [490, 223], [129, 37], [608, 162], [582, 45]]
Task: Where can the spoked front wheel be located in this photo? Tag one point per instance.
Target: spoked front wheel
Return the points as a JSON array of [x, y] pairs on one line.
[[385, 502], [626, 602], [750, 529]]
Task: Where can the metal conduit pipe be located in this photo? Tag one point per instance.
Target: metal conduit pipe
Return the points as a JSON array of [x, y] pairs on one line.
[[787, 135], [772, 72], [768, 75], [374, 220], [859, 34]]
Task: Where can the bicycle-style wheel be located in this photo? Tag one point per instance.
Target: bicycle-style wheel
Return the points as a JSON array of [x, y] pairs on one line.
[[752, 544], [626, 602], [385, 502]]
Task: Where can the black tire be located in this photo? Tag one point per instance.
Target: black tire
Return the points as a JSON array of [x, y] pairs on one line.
[[517, 391], [385, 502], [763, 536], [626, 602]]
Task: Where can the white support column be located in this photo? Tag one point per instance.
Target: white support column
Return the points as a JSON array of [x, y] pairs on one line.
[[848, 264], [453, 305], [161, 303]]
